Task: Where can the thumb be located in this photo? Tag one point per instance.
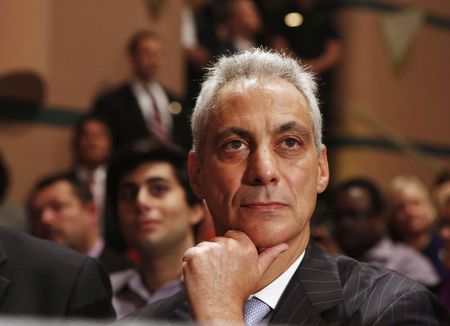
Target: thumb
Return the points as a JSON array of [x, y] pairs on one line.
[[266, 258]]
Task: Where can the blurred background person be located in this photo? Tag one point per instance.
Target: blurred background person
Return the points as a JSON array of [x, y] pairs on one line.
[[11, 216], [413, 219], [240, 27], [440, 193], [62, 210], [41, 279], [155, 213], [141, 107], [313, 38], [359, 217], [199, 41], [92, 148]]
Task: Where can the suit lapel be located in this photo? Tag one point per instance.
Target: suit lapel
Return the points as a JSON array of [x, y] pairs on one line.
[[4, 278], [313, 294]]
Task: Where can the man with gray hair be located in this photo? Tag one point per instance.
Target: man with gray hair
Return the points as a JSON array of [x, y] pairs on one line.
[[258, 161]]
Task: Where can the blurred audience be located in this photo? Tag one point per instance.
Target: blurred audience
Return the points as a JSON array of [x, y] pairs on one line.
[[141, 107], [62, 210], [92, 148], [199, 41], [413, 219], [359, 215], [39, 278], [155, 213], [240, 27], [441, 194], [11, 215], [306, 29]]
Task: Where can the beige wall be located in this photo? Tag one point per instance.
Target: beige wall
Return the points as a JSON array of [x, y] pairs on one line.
[[411, 104]]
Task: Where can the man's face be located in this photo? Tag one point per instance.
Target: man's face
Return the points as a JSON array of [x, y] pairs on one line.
[[356, 225], [147, 58], [153, 212], [261, 171], [412, 212], [94, 144], [60, 216]]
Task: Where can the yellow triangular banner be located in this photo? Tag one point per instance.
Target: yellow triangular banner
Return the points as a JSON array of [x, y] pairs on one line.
[[400, 29]]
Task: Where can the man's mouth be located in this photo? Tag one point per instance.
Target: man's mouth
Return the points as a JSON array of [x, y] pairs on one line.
[[264, 206]]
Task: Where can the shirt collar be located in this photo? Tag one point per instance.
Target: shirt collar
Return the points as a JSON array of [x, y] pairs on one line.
[[271, 294], [97, 249]]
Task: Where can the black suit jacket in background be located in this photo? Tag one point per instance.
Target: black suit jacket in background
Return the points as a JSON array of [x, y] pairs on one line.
[[333, 290], [121, 109], [40, 278]]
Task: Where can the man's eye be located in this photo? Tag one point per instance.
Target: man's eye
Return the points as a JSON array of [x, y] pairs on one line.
[[291, 142], [158, 190], [234, 145]]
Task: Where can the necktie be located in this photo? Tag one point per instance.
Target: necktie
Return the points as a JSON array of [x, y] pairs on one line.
[[156, 124], [254, 311]]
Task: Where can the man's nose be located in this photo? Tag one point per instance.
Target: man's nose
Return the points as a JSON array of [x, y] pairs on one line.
[[262, 168], [47, 216], [143, 199]]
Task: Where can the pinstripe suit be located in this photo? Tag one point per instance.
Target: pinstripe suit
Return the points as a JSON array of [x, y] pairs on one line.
[[334, 290]]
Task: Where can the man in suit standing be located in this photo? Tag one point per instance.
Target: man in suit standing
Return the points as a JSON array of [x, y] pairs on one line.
[[39, 278], [142, 107], [259, 162]]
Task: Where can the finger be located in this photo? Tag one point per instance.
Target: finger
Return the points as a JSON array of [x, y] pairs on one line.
[[237, 235], [266, 258]]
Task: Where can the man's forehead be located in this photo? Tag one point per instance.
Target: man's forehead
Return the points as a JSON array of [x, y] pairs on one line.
[[160, 169]]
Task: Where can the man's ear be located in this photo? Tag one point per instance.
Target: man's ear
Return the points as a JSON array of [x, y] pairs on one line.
[[194, 173], [323, 173], [197, 213]]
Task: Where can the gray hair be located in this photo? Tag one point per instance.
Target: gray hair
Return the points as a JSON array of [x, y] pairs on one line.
[[254, 63]]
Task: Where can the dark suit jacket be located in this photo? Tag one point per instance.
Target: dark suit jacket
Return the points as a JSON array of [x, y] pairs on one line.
[[334, 290], [121, 109], [38, 277]]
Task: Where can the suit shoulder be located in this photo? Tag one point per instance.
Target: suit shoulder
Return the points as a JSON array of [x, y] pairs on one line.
[[18, 245], [163, 309], [376, 295]]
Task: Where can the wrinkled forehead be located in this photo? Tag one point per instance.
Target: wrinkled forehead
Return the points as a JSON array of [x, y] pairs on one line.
[[278, 90]]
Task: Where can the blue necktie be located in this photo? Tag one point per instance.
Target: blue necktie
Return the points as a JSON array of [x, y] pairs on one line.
[[254, 311]]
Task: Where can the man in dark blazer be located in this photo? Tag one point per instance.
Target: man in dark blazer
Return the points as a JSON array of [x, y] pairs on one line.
[[259, 162], [62, 209], [142, 107], [40, 278]]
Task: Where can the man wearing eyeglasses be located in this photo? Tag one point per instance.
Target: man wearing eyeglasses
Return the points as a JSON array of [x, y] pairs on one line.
[[358, 216]]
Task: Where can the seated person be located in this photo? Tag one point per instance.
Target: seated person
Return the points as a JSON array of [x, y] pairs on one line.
[[359, 222], [155, 213], [62, 210], [40, 278]]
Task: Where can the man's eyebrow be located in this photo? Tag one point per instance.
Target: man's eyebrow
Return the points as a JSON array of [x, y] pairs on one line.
[[148, 180], [293, 126], [242, 133]]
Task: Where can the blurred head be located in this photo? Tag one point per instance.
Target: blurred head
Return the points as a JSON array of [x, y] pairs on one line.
[[243, 17], [154, 207], [145, 50], [412, 210], [62, 210], [358, 215], [440, 193], [92, 141], [258, 160]]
